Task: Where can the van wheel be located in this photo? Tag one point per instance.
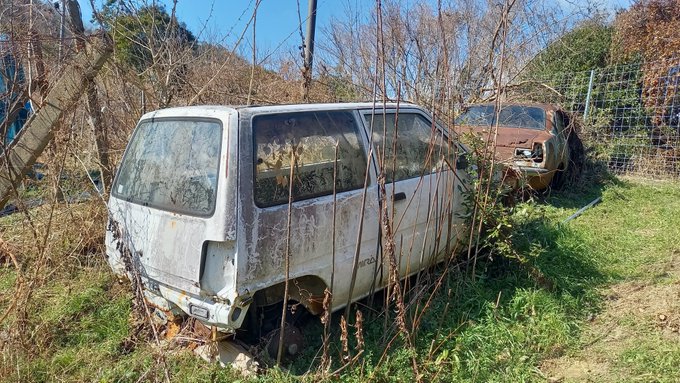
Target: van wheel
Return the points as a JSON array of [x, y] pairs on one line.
[[293, 342]]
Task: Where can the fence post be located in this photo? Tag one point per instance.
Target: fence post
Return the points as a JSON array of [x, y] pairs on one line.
[[590, 89]]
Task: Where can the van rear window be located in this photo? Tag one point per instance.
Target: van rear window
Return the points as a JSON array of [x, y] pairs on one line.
[[172, 164], [313, 137]]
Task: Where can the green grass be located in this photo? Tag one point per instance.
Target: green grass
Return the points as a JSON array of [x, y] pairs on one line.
[[7, 280], [500, 327], [83, 326], [638, 227], [624, 238], [632, 237], [653, 360]]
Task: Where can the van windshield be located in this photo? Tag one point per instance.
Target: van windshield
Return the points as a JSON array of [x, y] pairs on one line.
[[172, 164]]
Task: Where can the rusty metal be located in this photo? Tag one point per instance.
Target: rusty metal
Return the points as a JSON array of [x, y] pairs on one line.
[[509, 139], [285, 344]]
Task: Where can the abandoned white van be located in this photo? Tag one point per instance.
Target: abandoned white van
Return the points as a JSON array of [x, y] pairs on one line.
[[199, 209]]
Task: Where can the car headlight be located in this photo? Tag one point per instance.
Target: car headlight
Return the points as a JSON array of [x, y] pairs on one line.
[[537, 152]]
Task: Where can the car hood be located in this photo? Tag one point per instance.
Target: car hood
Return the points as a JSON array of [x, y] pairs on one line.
[[508, 138]]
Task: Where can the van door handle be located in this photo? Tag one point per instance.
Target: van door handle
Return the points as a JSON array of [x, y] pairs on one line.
[[399, 196]]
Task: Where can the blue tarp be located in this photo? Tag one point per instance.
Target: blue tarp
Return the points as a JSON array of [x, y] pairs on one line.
[[11, 80]]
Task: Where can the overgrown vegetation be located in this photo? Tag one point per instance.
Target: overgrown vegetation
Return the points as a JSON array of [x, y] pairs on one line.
[[501, 325], [535, 296], [584, 48], [622, 77], [151, 43]]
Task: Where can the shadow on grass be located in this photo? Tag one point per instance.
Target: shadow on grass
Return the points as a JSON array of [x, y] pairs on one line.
[[498, 325], [583, 188]]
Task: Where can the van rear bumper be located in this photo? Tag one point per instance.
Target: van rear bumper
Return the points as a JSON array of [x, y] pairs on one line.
[[225, 315]]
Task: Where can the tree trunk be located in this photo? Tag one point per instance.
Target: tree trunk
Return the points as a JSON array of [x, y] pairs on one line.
[[101, 138], [97, 124], [37, 132]]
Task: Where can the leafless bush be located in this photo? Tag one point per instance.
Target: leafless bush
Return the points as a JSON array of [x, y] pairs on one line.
[[436, 55]]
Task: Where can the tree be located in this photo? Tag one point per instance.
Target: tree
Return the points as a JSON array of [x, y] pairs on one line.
[[650, 30], [152, 42], [584, 48], [440, 52], [561, 72]]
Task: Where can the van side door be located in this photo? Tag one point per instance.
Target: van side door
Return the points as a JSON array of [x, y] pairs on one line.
[[421, 194]]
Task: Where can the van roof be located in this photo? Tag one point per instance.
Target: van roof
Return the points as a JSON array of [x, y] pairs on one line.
[[213, 109], [326, 106]]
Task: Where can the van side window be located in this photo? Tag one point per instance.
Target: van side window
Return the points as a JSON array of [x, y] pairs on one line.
[[419, 147], [313, 136]]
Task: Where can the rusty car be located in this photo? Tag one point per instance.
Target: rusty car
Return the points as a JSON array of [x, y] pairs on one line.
[[200, 211], [531, 139]]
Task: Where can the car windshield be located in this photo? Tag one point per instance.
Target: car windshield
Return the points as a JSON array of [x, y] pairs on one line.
[[515, 116], [172, 165]]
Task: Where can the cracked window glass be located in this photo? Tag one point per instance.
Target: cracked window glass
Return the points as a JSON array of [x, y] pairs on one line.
[[516, 116], [172, 165], [312, 137]]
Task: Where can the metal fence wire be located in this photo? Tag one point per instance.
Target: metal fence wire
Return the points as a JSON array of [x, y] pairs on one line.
[[628, 115]]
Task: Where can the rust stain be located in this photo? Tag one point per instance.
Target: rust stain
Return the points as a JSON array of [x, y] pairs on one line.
[[172, 329], [173, 224], [510, 139], [315, 304]]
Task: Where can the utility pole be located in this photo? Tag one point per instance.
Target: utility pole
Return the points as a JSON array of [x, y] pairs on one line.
[[309, 39], [309, 48]]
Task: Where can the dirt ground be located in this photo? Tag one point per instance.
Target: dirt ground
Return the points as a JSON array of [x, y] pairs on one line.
[[640, 319]]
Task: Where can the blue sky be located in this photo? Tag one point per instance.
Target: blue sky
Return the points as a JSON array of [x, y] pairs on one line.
[[277, 28], [277, 20]]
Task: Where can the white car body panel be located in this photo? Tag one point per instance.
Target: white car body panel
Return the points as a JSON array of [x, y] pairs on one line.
[[212, 266]]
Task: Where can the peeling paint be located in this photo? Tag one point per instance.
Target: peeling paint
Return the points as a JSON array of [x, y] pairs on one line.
[[212, 261]]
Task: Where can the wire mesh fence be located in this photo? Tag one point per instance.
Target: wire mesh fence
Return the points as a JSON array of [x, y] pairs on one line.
[[629, 114]]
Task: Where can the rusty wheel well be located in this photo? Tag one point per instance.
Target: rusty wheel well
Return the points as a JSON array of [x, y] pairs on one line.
[[307, 290], [264, 313]]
